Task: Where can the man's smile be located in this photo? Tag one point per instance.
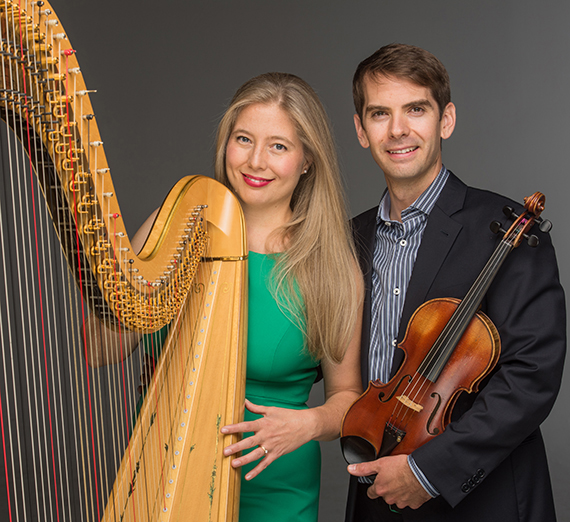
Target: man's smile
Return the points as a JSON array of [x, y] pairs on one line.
[[403, 151]]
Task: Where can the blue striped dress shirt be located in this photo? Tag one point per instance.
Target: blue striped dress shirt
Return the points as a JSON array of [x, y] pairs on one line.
[[395, 252]]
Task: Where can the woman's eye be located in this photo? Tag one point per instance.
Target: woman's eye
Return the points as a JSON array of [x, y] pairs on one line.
[[280, 146], [242, 139]]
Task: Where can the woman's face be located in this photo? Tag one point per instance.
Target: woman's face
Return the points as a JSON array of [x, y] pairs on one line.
[[264, 158]]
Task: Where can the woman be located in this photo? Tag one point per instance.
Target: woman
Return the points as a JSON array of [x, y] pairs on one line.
[[275, 152]]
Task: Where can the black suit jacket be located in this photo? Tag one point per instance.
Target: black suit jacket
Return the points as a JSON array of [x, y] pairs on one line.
[[490, 462]]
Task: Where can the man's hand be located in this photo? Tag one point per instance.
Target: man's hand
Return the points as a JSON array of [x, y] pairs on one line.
[[394, 482]]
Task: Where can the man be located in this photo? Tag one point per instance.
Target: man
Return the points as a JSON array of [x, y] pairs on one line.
[[430, 238]]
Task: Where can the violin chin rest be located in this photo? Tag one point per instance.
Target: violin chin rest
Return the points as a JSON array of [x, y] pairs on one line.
[[356, 449]]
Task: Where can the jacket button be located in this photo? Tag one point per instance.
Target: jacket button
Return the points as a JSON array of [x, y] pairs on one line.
[[480, 473], [465, 488]]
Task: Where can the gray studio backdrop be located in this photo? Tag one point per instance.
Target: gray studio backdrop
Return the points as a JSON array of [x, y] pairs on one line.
[[165, 71]]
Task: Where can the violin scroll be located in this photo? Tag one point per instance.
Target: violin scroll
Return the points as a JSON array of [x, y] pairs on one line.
[[534, 205]]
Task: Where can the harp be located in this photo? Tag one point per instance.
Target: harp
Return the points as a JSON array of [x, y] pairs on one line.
[[70, 448]]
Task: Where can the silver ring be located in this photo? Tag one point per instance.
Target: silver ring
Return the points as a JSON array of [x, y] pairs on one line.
[[266, 452]]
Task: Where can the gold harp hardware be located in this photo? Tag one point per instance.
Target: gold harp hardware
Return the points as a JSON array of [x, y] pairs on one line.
[[189, 277]]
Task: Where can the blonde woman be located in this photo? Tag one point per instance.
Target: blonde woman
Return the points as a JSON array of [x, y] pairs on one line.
[[275, 151]]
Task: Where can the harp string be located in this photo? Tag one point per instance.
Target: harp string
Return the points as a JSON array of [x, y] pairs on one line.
[[18, 253], [94, 446], [42, 294], [54, 408], [70, 312]]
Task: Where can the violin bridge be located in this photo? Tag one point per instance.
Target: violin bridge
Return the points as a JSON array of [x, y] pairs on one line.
[[406, 401]]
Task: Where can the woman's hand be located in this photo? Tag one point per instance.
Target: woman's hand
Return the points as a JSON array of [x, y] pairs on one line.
[[278, 432]]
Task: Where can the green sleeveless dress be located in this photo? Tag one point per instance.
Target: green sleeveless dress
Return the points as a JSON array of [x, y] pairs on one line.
[[280, 372]]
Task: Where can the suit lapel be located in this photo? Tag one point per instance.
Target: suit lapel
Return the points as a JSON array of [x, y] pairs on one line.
[[365, 235], [439, 236]]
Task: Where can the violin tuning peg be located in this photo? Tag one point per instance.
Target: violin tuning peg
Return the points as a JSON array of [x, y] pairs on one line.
[[544, 225], [509, 212], [496, 227], [531, 240]]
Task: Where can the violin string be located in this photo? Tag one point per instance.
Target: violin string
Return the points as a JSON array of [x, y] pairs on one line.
[[465, 309], [464, 313], [417, 388], [437, 353]]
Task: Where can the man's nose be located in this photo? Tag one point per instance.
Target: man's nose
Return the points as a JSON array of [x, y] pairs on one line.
[[398, 126]]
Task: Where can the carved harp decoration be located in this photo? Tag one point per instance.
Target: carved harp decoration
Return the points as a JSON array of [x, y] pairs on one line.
[[70, 448]]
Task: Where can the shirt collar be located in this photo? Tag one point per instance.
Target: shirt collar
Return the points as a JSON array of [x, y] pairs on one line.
[[424, 203]]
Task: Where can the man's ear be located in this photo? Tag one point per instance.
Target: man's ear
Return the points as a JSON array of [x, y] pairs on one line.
[[361, 132], [448, 121]]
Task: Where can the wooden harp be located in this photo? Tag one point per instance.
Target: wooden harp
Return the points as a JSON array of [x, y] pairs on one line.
[[68, 449]]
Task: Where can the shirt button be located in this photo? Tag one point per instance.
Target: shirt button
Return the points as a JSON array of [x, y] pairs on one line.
[[387, 223], [394, 342], [403, 242], [396, 291]]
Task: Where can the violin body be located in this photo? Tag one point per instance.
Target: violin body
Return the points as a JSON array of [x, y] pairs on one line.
[[398, 417]]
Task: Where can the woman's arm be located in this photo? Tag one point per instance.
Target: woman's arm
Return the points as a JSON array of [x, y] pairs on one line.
[[281, 430]]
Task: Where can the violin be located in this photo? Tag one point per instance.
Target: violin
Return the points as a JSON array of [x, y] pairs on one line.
[[449, 348]]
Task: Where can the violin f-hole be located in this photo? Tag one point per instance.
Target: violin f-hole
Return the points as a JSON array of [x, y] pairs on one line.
[[433, 414], [395, 389]]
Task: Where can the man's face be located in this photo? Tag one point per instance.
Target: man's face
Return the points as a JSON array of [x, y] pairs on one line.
[[402, 126]]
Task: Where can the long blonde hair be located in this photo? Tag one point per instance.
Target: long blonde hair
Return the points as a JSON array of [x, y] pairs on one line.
[[316, 278]]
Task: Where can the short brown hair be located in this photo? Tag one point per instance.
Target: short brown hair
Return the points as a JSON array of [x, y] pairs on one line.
[[406, 62]]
